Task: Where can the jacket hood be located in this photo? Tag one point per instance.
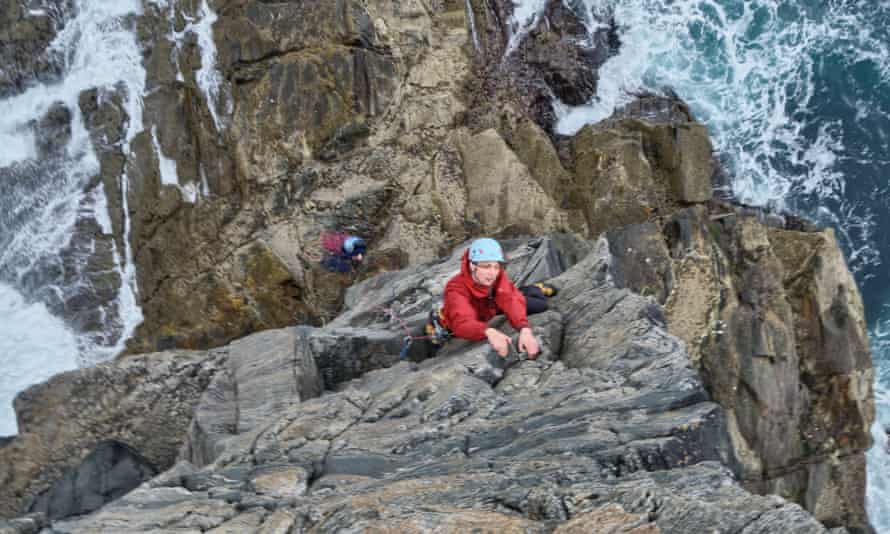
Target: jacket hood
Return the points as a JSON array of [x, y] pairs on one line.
[[479, 291]]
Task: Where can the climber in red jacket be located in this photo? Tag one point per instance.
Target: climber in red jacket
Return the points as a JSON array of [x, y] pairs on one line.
[[482, 290]]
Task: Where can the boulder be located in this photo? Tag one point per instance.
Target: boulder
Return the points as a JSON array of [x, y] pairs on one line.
[[145, 401], [648, 159], [53, 131], [26, 524], [110, 471]]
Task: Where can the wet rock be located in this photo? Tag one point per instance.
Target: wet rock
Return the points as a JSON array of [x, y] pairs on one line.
[[562, 52], [24, 37], [558, 57], [53, 131], [110, 471], [106, 119], [80, 281]]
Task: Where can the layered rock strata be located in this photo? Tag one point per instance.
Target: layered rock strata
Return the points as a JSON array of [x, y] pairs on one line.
[[620, 420]]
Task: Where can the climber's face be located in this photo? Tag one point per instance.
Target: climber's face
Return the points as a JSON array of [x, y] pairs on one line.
[[485, 272]]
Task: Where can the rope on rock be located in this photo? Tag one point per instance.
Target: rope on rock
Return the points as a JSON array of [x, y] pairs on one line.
[[409, 339]]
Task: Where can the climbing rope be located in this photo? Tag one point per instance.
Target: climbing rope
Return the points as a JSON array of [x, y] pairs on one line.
[[409, 339]]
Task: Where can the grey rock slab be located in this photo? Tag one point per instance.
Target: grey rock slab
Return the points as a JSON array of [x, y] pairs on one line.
[[641, 260], [266, 372], [111, 470], [153, 510], [26, 524]]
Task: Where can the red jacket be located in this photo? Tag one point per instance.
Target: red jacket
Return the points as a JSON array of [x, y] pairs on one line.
[[469, 306]]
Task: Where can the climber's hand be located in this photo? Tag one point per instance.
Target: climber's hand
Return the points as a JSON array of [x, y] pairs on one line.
[[528, 343], [499, 341]]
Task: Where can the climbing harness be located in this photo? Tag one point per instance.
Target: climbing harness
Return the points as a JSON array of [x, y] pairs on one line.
[[438, 334]]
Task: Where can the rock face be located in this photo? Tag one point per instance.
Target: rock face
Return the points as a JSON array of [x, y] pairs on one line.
[[526, 69], [775, 306], [24, 37], [265, 373], [356, 116], [697, 355], [620, 421], [397, 122]]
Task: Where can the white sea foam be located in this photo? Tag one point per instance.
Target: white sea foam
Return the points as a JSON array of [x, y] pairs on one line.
[[208, 76], [878, 461], [166, 166], [526, 14], [34, 345]]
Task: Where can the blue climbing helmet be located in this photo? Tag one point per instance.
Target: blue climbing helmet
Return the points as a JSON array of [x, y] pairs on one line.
[[353, 246], [486, 249]]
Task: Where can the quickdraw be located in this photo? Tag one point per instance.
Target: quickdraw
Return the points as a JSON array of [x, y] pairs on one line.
[[405, 348], [408, 340]]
